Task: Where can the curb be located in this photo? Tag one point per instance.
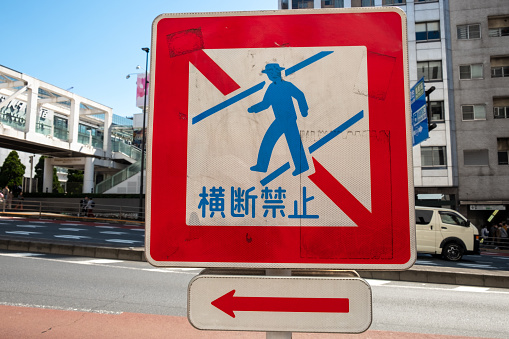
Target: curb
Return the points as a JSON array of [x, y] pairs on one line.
[[129, 253], [420, 273], [443, 275]]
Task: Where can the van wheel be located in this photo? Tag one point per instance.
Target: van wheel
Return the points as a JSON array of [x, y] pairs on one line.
[[452, 251]]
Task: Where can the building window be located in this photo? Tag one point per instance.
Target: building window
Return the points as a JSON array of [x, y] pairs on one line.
[[499, 66], [501, 108], [284, 4], [427, 31], [437, 110], [298, 4], [433, 156], [60, 128], [473, 112], [363, 3], [503, 147], [498, 26], [333, 3], [468, 72], [476, 157], [466, 32], [417, 1], [430, 70], [501, 112], [393, 2]]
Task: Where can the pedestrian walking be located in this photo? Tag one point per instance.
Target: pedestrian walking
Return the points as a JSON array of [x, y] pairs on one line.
[[8, 199], [493, 234], [485, 234], [83, 207], [90, 207], [503, 241], [5, 191], [19, 206]]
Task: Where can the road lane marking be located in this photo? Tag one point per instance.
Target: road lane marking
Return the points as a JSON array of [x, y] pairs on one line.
[[69, 236], [72, 229], [123, 241], [31, 226], [471, 289], [22, 232], [22, 255], [113, 232], [102, 261], [89, 310]]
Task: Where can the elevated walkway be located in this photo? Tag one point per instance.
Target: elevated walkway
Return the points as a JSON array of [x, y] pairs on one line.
[[75, 132]]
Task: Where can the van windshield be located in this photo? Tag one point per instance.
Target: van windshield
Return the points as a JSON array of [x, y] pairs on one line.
[[452, 218]]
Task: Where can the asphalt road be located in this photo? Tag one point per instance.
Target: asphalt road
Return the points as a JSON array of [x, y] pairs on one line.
[[113, 287], [121, 235], [94, 233]]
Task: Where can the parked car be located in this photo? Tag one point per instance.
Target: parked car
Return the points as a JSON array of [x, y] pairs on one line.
[[444, 232]]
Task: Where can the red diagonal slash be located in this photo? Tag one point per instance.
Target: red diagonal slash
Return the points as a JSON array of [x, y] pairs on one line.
[[380, 186], [215, 74], [189, 44], [228, 303]]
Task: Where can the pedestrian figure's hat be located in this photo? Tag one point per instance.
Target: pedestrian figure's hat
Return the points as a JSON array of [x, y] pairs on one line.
[[272, 67]]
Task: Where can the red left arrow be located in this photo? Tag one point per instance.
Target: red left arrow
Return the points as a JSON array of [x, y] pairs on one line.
[[229, 304]]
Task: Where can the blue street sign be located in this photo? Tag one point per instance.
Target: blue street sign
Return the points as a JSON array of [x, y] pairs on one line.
[[419, 116]]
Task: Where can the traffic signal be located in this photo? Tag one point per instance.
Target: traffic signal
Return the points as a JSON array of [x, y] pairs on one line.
[[431, 126]]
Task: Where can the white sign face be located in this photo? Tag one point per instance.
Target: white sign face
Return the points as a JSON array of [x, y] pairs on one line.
[[249, 154], [267, 303]]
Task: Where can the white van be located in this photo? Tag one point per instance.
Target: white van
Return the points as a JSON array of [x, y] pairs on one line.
[[445, 232]]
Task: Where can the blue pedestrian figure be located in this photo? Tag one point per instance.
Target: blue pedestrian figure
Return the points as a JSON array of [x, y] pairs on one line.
[[279, 95]]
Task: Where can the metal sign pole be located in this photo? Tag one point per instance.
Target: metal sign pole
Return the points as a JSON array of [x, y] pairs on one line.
[[280, 273]]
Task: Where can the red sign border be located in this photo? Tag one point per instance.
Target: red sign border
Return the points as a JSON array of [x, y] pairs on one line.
[[170, 242]]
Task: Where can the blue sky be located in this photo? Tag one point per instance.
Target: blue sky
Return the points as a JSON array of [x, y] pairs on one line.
[[92, 45]]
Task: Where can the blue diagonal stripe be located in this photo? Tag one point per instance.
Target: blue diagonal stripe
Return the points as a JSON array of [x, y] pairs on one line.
[[275, 174], [337, 131], [307, 62], [228, 102]]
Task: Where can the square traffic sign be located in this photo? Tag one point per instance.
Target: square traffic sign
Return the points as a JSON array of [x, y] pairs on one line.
[[280, 140]]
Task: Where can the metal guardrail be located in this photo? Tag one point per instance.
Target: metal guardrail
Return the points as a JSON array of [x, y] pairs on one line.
[[496, 243], [41, 208]]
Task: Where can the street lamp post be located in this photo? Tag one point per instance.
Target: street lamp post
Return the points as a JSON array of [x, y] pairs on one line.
[[146, 49]]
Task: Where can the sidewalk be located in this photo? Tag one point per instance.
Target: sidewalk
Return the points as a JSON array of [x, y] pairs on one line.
[[26, 322]]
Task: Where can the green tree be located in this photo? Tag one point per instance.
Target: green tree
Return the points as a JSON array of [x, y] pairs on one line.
[[74, 181], [12, 171], [57, 187]]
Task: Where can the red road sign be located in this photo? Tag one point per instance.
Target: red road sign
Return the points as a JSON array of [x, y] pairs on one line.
[[269, 303], [224, 190]]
